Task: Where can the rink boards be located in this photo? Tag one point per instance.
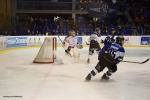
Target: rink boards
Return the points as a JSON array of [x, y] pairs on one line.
[[12, 43]]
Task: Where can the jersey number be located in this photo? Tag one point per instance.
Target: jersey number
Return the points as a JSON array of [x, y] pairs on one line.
[[111, 52]]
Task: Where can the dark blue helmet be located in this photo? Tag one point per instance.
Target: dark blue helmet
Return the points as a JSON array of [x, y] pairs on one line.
[[109, 38]]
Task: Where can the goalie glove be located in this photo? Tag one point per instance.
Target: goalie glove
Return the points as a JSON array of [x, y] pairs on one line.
[[79, 46]]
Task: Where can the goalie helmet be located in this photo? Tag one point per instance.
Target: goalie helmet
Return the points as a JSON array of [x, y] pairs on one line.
[[120, 40], [97, 31], [72, 33]]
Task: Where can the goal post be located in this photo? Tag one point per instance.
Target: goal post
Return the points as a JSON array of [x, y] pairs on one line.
[[47, 52]]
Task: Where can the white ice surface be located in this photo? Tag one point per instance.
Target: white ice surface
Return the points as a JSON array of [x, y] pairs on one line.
[[20, 77]]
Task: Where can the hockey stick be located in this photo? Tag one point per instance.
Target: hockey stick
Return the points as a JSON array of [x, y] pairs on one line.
[[60, 40], [62, 44], [137, 61]]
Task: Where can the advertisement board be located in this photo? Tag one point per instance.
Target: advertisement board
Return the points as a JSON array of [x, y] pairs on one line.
[[16, 41], [145, 40], [80, 39], [35, 40]]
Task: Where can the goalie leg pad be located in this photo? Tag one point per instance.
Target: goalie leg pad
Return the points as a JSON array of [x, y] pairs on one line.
[[75, 54], [79, 46]]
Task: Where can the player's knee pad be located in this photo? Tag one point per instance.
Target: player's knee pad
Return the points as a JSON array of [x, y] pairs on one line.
[[113, 68], [109, 73], [99, 68], [112, 71]]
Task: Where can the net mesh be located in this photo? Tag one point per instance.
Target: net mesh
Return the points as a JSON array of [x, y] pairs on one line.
[[47, 52]]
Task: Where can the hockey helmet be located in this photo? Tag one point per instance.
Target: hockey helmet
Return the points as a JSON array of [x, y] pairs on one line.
[[72, 33], [107, 39], [97, 31], [120, 40]]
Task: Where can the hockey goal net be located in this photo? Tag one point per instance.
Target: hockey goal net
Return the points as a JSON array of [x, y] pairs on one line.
[[47, 52]]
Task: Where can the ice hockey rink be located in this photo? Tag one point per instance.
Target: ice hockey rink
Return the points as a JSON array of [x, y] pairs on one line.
[[20, 79]]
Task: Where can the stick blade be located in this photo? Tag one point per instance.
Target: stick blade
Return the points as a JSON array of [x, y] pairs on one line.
[[145, 61], [137, 62]]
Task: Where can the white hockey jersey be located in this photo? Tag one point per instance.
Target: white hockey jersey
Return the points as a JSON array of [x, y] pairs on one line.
[[94, 37], [72, 41]]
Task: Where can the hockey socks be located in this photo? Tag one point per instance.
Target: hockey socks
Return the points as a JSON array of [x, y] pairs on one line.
[[106, 75], [92, 74]]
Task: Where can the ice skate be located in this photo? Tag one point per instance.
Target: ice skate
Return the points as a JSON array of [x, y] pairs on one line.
[[105, 77], [88, 77]]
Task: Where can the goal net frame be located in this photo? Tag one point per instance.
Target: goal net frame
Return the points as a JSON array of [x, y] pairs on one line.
[[52, 46]]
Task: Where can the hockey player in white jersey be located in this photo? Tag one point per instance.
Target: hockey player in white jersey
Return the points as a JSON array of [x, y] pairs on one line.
[[71, 44], [94, 43]]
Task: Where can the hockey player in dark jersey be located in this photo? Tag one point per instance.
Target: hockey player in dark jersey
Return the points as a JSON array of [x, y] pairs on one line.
[[94, 44], [109, 56]]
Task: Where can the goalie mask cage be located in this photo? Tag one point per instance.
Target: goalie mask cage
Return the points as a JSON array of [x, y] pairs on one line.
[[47, 52]]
